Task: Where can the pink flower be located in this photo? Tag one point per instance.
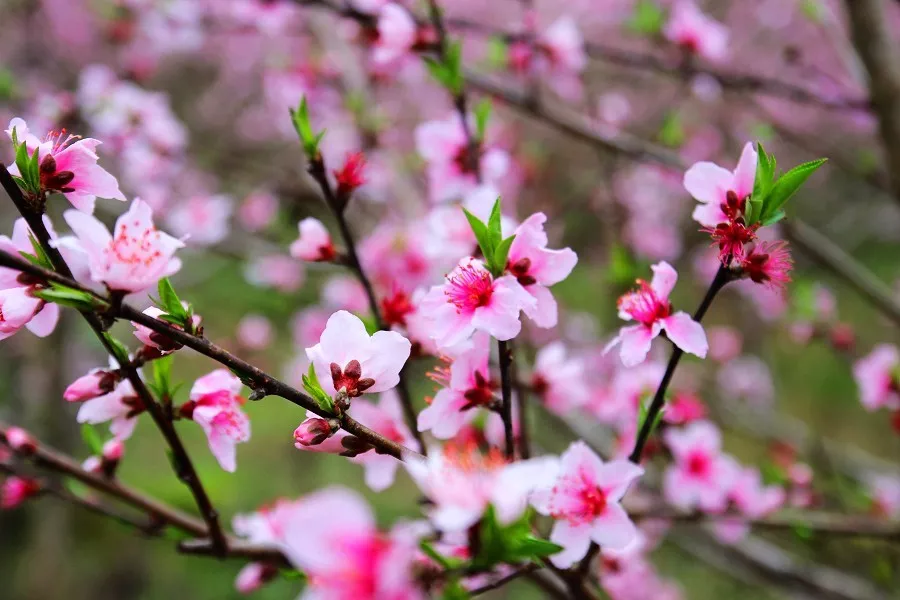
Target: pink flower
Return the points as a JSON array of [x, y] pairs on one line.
[[254, 332], [387, 419], [451, 162], [724, 343], [276, 271], [268, 526], [701, 476], [695, 32], [332, 538], [560, 380], [121, 406], [97, 382], [563, 45], [751, 498], [536, 268], [16, 490], [348, 358], [877, 377], [132, 260], [18, 308], [257, 211], [20, 440], [649, 305], [472, 300], [215, 405], [461, 483], [468, 386], [254, 576], [68, 164], [584, 500], [201, 220], [684, 408], [314, 243], [160, 341], [885, 493], [312, 432], [719, 190], [397, 34]]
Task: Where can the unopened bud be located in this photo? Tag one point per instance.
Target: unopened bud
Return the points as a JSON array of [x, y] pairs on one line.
[[17, 490], [113, 450], [20, 440], [94, 384], [93, 464], [253, 576], [843, 336], [313, 431]]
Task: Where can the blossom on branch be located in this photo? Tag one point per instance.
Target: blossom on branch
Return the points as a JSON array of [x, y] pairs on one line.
[[134, 259], [649, 305], [702, 476], [215, 405], [68, 165], [722, 194], [878, 378], [584, 500], [314, 243], [696, 32]]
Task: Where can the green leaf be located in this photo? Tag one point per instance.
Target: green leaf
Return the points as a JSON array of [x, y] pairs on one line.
[[454, 590], [482, 114], [314, 389], [7, 84], [762, 185], [309, 140], [672, 133], [170, 302], [643, 413], [501, 253], [647, 19], [92, 439], [65, 296], [438, 71], [532, 547], [771, 220], [454, 67], [42, 258], [447, 562], [494, 225], [787, 185], [497, 52], [481, 235], [162, 376]]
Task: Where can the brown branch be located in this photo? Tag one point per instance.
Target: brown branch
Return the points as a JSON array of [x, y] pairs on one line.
[[184, 468], [318, 172], [871, 32], [262, 380]]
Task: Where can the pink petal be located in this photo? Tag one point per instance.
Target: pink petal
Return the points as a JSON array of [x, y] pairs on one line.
[[545, 312], [708, 182], [575, 540], [686, 333], [389, 352], [636, 340], [613, 529], [745, 173], [664, 279], [45, 321], [615, 478]]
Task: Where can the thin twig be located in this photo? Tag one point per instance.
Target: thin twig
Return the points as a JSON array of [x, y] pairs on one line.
[[506, 394]]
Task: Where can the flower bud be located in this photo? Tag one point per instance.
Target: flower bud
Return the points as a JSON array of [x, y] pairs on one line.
[[253, 576], [93, 464], [20, 440], [94, 384], [351, 175], [313, 432], [113, 450], [16, 490]]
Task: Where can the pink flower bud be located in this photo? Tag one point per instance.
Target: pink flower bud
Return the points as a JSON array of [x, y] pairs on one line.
[[93, 464], [16, 490], [352, 173], [253, 576], [113, 450], [94, 384], [20, 440], [312, 432]]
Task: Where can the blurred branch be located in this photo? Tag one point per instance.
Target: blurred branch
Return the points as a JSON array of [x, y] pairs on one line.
[[869, 27], [261, 379]]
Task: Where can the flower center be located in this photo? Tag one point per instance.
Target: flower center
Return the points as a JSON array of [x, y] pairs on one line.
[[698, 464], [481, 393], [593, 501], [469, 287], [350, 378], [135, 249], [644, 306], [520, 270], [467, 158], [395, 309]]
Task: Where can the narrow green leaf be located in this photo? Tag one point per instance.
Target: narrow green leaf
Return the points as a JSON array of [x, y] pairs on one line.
[[787, 185], [162, 376], [67, 297], [494, 225], [497, 52], [92, 439], [647, 19], [170, 302], [314, 389], [532, 547], [120, 352], [482, 115], [39, 252], [481, 235], [672, 133], [501, 254], [771, 220], [454, 590]]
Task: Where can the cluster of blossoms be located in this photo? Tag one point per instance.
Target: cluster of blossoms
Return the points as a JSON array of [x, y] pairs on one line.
[[436, 291]]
